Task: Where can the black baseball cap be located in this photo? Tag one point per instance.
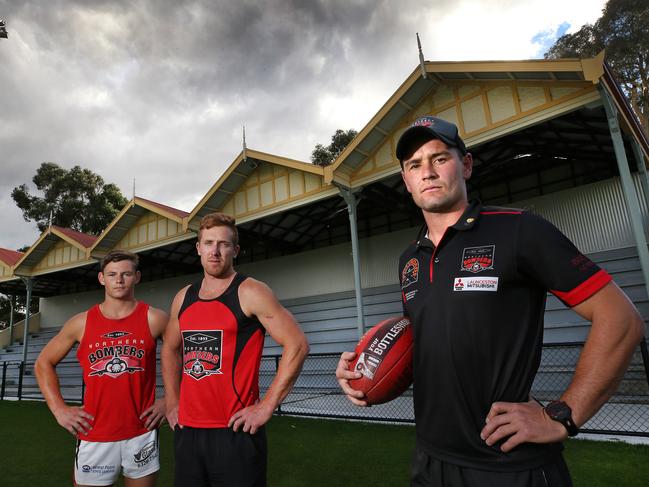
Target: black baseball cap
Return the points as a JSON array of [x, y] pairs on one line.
[[433, 127]]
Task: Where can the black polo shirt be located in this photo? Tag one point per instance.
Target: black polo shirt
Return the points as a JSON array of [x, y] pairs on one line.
[[477, 302]]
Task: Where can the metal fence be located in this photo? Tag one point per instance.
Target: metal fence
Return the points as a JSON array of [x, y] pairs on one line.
[[316, 392]]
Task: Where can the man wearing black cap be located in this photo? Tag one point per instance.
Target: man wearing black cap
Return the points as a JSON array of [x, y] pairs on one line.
[[474, 285]]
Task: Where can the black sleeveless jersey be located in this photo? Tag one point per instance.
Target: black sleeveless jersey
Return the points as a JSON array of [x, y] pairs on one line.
[[221, 355]]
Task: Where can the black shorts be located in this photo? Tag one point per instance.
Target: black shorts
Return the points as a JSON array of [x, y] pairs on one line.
[[215, 457], [431, 472]]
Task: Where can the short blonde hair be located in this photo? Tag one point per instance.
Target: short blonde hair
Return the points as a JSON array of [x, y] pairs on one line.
[[219, 220]]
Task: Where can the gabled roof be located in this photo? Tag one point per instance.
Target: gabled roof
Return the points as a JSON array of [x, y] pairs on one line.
[[73, 236], [243, 166], [164, 210], [10, 257], [126, 218], [405, 103], [47, 240]]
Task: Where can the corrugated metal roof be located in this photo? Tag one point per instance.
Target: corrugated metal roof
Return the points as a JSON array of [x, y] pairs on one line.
[[10, 257]]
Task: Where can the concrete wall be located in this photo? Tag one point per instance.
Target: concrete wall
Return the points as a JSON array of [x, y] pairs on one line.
[[56, 310], [316, 272]]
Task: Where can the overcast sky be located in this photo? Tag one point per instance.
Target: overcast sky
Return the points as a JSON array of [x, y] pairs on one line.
[[158, 91]]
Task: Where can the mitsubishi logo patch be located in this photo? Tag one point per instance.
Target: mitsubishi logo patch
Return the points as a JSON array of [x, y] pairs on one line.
[[475, 284], [478, 259]]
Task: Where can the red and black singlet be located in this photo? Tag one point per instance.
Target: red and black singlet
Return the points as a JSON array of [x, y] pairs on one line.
[[221, 355], [118, 358]]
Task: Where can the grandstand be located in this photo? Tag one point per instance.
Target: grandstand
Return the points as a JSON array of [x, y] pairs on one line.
[[552, 136]]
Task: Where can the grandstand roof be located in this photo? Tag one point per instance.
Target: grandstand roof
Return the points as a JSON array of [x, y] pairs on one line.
[[47, 240], [131, 216], [264, 172], [534, 127], [486, 99], [10, 257], [164, 209], [73, 236]]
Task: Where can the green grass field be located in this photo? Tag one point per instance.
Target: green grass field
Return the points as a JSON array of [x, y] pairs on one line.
[[34, 450]]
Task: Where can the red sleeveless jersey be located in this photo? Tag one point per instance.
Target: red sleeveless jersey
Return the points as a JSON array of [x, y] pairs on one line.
[[118, 358], [221, 355]]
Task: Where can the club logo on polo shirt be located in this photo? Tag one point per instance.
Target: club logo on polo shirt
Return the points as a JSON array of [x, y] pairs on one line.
[[202, 353], [410, 273], [478, 259]]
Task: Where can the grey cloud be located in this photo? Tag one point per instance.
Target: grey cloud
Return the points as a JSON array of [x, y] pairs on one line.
[[124, 87]]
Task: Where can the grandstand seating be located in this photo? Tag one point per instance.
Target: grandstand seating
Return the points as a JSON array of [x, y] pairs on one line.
[[330, 324]]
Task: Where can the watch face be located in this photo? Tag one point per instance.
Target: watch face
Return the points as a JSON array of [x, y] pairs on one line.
[[558, 410]]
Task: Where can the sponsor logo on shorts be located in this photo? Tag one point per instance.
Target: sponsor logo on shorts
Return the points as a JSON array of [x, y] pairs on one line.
[[202, 353], [475, 284], [410, 273], [98, 469], [478, 259], [116, 334], [146, 454]]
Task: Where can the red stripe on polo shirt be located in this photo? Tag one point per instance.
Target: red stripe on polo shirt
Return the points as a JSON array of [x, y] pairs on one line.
[[585, 290]]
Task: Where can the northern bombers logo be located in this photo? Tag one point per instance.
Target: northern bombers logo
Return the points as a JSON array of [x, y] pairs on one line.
[[410, 273], [202, 353], [115, 360], [478, 259]]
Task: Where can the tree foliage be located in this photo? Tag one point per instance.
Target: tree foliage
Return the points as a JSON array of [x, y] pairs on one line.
[[623, 30], [76, 198], [323, 156], [19, 309]]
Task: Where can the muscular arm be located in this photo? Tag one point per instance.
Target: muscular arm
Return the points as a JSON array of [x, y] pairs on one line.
[[73, 419], [172, 360], [257, 299], [155, 414], [158, 320], [616, 331]]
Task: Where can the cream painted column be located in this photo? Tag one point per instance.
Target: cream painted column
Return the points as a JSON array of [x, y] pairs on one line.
[[642, 169], [12, 309], [632, 203], [351, 198], [29, 283]]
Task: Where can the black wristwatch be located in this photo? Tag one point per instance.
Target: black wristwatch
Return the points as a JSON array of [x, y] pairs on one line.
[[561, 412]]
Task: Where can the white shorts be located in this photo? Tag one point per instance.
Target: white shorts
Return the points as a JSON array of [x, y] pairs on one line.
[[101, 462]]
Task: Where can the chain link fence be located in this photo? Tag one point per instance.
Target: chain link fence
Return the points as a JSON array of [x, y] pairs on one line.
[[316, 392]]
